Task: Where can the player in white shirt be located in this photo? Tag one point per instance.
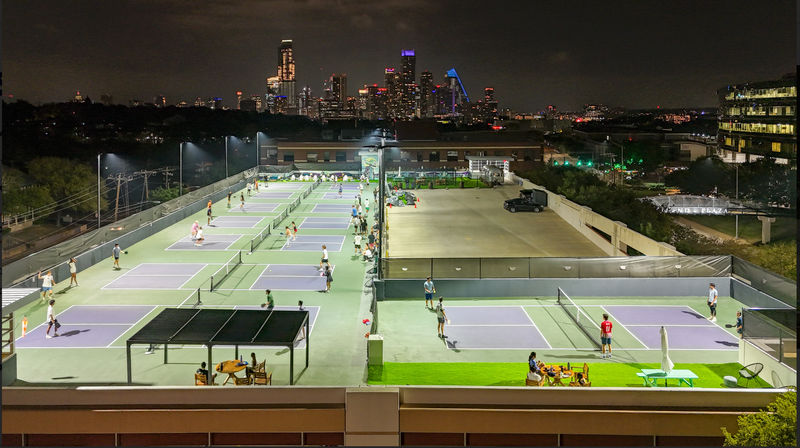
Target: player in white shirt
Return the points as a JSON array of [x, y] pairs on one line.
[[51, 320], [712, 301], [324, 257], [47, 284]]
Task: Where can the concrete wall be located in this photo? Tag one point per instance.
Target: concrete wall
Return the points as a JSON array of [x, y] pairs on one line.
[[547, 287], [584, 219], [377, 415], [774, 372]]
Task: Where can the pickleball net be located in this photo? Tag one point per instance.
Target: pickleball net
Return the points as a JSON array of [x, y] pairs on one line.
[[222, 273], [588, 326]]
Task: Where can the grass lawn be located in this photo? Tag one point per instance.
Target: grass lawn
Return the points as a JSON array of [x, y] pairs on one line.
[[784, 228], [513, 374]]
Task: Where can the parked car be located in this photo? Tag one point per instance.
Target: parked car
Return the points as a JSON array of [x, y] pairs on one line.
[[531, 200]]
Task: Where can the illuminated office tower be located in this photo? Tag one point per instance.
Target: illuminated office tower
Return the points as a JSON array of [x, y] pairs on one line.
[[286, 75], [758, 119], [408, 76]]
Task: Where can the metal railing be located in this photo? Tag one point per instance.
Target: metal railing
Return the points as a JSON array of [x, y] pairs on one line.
[[772, 330], [541, 267]]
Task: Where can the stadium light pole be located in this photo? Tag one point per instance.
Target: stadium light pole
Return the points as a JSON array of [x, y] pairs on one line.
[[98, 190], [382, 205], [737, 201], [226, 156], [180, 169]]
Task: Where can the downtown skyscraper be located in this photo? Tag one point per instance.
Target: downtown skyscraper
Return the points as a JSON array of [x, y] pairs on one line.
[[408, 87], [286, 76]]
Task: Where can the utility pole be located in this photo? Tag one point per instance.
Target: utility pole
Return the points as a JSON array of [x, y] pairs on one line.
[[116, 202]]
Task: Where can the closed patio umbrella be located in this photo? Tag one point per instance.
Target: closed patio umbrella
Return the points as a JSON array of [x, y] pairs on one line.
[[666, 363]]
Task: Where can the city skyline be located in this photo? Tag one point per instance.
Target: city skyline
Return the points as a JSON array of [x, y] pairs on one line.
[[618, 54]]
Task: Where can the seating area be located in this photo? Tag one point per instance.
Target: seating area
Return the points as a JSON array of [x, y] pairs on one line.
[[255, 376], [557, 375]]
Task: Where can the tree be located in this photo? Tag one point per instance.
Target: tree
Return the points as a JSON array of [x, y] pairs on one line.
[[70, 182], [17, 198], [775, 426], [705, 175]]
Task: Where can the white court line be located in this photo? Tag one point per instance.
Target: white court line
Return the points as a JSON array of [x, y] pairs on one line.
[[596, 350], [534, 326], [489, 325], [45, 322], [131, 326], [671, 325], [193, 276], [623, 326]]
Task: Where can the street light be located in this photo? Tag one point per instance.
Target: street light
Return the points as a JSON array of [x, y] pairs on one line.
[[180, 170], [98, 190], [226, 156]]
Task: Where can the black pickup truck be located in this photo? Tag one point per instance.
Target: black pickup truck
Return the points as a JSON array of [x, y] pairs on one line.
[[528, 201]]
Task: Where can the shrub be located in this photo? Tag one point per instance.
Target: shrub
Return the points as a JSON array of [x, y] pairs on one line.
[[775, 426]]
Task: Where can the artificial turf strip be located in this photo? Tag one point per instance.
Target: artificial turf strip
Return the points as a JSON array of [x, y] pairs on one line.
[[513, 374]]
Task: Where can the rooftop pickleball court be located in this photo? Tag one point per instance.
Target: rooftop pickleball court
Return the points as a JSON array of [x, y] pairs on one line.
[[300, 342], [211, 242], [511, 327], [325, 223], [291, 277], [87, 326], [272, 195], [492, 327], [313, 243], [250, 207], [686, 328], [346, 195], [247, 222], [156, 276], [332, 208]]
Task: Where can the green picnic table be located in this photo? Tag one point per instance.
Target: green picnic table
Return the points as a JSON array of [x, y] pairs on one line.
[[651, 376]]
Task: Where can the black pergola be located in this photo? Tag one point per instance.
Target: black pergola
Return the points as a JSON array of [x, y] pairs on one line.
[[212, 327]]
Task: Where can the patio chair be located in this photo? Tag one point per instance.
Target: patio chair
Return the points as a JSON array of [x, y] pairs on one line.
[[260, 367], [262, 378], [584, 370], [576, 384], [529, 382], [776, 381], [750, 371], [200, 380], [241, 381]]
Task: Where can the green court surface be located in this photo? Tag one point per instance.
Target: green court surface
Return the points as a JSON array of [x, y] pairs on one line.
[[337, 342], [410, 331], [513, 374]]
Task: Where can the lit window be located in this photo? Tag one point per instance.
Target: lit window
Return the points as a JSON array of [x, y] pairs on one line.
[[776, 146]]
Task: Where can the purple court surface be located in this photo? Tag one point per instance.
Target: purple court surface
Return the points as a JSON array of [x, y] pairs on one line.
[[656, 315], [156, 276], [332, 208], [325, 223], [487, 315], [510, 327], [313, 243], [686, 337], [212, 242], [269, 195], [492, 337], [291, 277], [344, 188], [237, 221], [254, 207], [86, 326], [346, 195]]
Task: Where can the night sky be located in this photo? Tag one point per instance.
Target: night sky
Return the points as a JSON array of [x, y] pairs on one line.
[[636, 54]]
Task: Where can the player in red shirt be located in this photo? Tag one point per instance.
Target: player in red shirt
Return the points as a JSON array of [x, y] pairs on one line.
[[605, 336]]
